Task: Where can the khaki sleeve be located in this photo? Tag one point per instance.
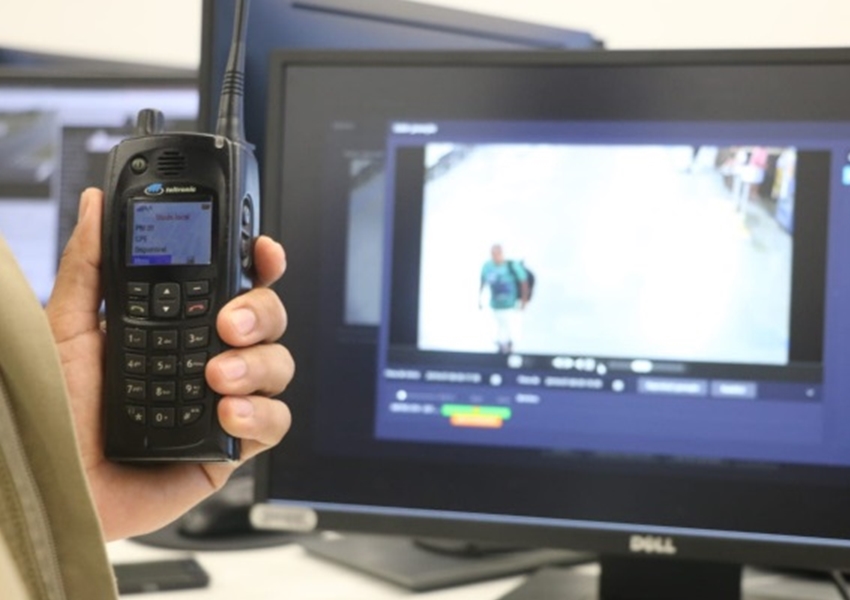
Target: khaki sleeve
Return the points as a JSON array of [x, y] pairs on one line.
[[36, 400], [10, 579]]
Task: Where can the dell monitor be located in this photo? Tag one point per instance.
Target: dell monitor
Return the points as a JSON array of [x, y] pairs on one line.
[[56, 128], [670, 391], [351, 24]]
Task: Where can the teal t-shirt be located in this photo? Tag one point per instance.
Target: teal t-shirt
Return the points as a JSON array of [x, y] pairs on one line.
[[503, 281]]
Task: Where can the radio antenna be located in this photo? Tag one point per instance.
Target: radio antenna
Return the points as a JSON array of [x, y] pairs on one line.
[[230, 107]]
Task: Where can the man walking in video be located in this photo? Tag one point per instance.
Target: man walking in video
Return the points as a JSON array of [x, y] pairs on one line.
[[509, 293]]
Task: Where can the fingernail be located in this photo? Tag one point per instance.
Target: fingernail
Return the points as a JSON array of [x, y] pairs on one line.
[[242, 407], [244, 320], [233, 367], [84, 204]]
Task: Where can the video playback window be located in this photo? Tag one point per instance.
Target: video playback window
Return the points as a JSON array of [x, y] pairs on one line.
[[660, 252]]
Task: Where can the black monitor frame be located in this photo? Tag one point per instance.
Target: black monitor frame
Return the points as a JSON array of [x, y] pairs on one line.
[[296, 461], [82, 74], [351, 24], [45, 64]]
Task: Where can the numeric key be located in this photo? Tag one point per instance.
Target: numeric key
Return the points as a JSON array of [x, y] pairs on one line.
[[165, 340], [198, 337]]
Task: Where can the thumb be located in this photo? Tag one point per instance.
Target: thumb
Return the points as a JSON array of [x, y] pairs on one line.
[[75, 300]]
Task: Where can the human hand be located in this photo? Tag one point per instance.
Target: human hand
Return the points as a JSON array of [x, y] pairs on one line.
[[132, 499]]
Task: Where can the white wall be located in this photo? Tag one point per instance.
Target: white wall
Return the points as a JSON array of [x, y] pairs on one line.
[[685, 23], [163, 32], [168, 31]]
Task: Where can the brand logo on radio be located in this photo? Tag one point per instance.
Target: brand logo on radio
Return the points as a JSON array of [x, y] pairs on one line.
[[155, 189], [652, 544]]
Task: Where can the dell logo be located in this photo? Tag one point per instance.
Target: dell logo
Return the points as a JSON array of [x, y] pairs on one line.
[[154, 189], [652, 544]]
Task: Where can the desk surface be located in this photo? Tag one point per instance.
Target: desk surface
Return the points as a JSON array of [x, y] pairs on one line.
[[290, 572]]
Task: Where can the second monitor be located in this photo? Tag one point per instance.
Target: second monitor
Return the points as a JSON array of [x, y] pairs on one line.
[[672, 383]]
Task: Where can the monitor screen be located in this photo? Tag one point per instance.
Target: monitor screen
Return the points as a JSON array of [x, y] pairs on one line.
[[567, 298], [55, 133]]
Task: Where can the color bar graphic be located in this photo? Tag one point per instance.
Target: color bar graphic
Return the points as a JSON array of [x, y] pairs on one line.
[[470, 415]]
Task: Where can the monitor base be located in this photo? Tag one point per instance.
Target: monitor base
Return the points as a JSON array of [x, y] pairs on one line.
[[648, 579], [416, 567], [221, 522], [171, 538]]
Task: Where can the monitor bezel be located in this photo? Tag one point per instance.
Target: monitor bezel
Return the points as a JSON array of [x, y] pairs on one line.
[[473, 28], [602, 537]]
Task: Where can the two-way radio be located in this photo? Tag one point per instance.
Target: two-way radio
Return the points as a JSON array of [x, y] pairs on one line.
[[182, 212]]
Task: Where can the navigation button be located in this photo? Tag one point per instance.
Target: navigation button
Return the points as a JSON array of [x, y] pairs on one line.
[[166, 291], [166, 309]]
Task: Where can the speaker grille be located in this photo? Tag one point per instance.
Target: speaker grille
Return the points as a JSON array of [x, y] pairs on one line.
[[170, 163]]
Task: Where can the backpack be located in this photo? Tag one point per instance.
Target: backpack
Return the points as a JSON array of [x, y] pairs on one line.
[[529, 274]]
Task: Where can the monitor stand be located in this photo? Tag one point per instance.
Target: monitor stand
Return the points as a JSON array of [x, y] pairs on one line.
[[626, 578], [427, 564]]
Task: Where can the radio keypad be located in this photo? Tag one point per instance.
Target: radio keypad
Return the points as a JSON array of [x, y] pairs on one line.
[[166, 291], [191, 413], [163, 391], [194, 363], [164, 397], [164, 365], [193, 389], [135, 338], [134, 363], [166, 309], [136, 413], [197, 288], [162, 417], [198, 337], [138, 289], [197, 308], [135, 389], [137, 308], [165, 340]]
